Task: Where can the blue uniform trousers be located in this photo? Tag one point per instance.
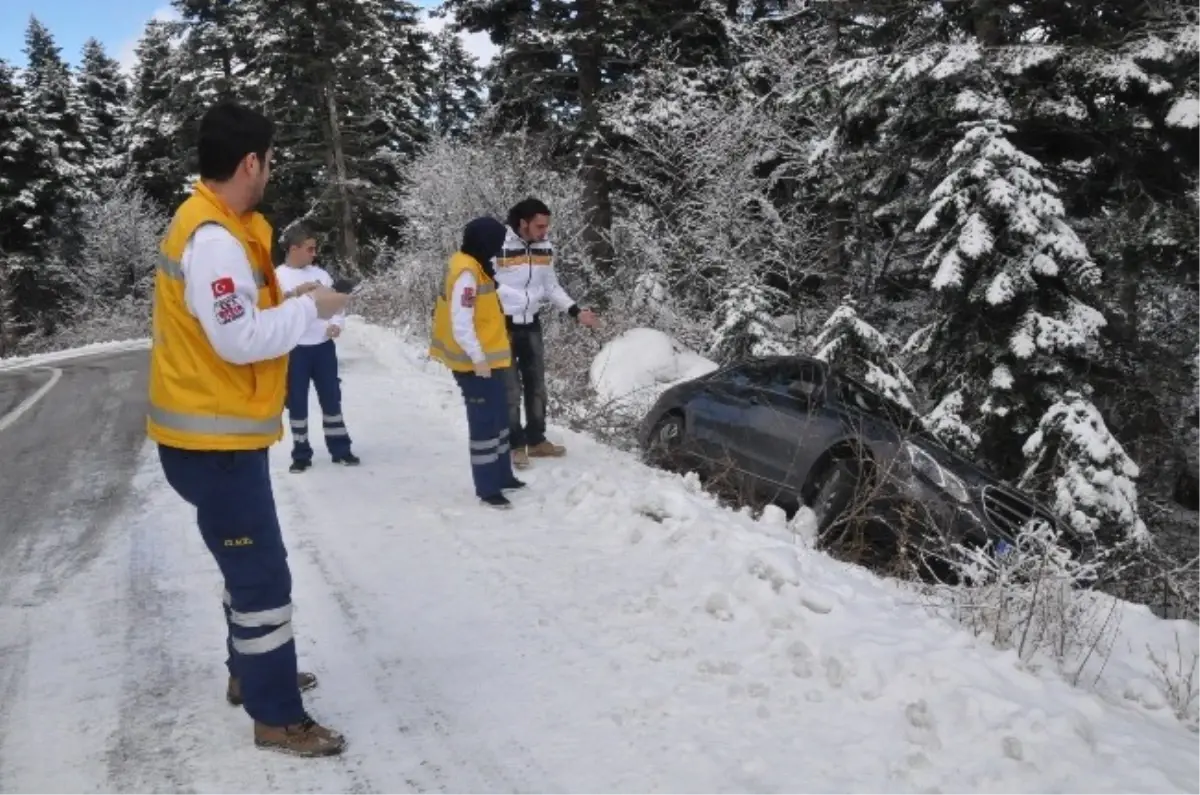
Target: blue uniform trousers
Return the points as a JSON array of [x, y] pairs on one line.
[[487, 424], [235, 509], [318, 365]]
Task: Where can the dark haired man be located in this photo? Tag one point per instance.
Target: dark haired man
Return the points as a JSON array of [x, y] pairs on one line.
[[218, 376], [526, 281], [314, 360]]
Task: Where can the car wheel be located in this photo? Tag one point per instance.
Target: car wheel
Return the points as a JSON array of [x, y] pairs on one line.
[[666, 441], [833, 494]]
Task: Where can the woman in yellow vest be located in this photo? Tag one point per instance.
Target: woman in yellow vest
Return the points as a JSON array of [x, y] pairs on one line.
[[470, 337]]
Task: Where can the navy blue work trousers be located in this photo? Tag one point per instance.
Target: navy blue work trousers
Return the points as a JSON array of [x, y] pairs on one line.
[[487, 425], [316, 365], [235, 508]]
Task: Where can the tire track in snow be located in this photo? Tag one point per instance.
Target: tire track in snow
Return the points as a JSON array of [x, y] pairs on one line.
[[436, 763], [523, 665], [14, 660], [149, 750]]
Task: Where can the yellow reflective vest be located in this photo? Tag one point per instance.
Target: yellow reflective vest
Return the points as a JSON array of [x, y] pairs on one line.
[[199, 401], [489, 320]]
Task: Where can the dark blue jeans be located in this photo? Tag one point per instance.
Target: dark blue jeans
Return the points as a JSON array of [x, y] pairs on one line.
[[316, 365], [487, 424], [527, 379], [235, 508]]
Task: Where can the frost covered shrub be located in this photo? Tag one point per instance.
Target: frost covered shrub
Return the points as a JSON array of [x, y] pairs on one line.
[[1033, 598], [112, 269], [120, 231], [455, 181], [698, 209], [452, 182]]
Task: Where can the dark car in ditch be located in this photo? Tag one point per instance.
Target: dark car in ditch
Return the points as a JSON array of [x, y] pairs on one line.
[[790, 430]]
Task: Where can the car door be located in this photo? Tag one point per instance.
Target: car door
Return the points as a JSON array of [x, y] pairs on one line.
[[719, 415], [784, 427]]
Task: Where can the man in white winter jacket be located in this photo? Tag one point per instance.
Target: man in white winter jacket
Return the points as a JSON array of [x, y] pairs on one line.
[[314, 360], [526, 282]]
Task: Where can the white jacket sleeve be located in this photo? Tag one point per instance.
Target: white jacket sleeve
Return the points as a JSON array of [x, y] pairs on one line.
[[221, 293], [462, 316]]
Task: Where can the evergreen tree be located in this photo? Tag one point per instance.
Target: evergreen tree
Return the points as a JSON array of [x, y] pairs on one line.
[[743, 323], [153, 128], [348, 84], [457, 101], [105, 95], [24, 161], [1073, 456], [55, 115], [558, 61], [209, 64], [1014, 278], [853, 345]]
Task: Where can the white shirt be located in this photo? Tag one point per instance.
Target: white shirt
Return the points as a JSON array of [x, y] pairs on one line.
[[462, 316], [220, 291], [289, 279]]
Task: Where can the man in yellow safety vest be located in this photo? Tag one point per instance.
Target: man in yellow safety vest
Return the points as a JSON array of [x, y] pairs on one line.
[[218, 377]]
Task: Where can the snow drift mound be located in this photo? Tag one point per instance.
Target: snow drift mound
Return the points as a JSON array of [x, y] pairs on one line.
[[639, 365]]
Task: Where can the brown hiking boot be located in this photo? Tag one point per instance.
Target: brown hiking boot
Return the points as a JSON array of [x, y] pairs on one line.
[[306, 738], [233, 692], [547, 449], [520, 458]]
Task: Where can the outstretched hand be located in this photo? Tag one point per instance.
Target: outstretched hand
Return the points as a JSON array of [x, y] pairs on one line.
[[589, 318]]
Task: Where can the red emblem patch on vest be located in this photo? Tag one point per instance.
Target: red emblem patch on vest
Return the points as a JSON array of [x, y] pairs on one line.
[[468, 297], [222, 286]]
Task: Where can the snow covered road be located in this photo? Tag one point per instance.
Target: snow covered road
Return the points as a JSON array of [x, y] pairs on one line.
[[617, 631]]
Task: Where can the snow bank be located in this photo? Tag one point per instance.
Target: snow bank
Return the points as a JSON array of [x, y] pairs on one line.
[[639, 365], [115, 346], [748, 660]]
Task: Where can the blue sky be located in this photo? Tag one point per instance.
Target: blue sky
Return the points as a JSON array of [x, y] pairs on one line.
[[116, 24]]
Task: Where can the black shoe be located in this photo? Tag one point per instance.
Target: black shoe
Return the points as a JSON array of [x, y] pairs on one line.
[[299, 466], [496, 501], [514, 484], [349, 459]]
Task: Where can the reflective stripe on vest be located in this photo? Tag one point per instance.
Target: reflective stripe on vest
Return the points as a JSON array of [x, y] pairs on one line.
[[213, 424], [173, 270], [462, 358]]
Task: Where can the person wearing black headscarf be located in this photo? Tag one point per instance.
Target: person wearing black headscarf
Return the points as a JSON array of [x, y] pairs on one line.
[[470, 337]]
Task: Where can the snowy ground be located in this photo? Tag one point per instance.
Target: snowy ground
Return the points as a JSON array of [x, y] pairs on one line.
[[616, 632]]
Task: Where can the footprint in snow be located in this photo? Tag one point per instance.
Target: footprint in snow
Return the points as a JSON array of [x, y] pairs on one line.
[[922, 728], [817, 600]]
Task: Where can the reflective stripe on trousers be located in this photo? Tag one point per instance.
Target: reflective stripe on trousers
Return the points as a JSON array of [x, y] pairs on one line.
[[278, 619], [487, 451]]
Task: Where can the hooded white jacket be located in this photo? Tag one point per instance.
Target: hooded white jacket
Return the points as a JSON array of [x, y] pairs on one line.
[[526, 281]]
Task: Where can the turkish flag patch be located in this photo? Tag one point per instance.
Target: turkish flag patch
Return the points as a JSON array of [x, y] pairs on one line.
[[468, 297], [222, 287]]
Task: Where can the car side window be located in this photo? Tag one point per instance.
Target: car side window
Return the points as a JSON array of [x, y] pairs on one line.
[[782, 379]]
